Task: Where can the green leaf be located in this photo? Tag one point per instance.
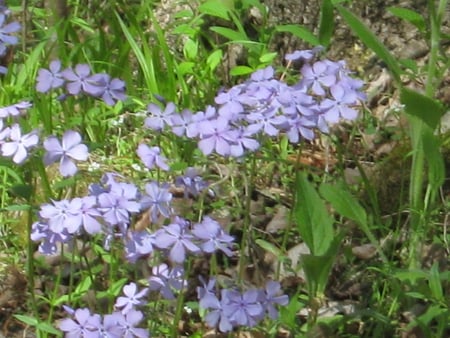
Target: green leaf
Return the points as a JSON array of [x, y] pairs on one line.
[[371, 41], [270, 248], [268, 57], [241, 70], [326, 23], [311, 215], [17, 207], [46, 327], [218, 8], [300, 32], [343, 202], [27, 320], [434, 281], [230, 34], [409, 15], [190, 49], [317, 270], [410, 275], [186, 67], [419, 105], [214, 59]]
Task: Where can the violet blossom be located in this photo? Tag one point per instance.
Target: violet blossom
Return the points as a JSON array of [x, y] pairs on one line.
[[17, 144], [69, 149]]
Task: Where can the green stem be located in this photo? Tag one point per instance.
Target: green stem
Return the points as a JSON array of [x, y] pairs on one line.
[[180, 306], [418, 209], [247, 221], [30, 264]]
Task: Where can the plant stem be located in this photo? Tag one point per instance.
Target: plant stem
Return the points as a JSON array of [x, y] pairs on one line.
[[247, 221], [418, 208]]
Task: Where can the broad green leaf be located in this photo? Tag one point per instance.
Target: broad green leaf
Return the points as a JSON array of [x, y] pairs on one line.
[[241, 70], [326, 23], [190, 49], [315, 225], [317, 270], [214, 59], [268, 57], [409, 15], [230, 34], [421, 106], [300, 32], [344, 202], [218, 8], [186, 67], [371, 41], [269, 247]]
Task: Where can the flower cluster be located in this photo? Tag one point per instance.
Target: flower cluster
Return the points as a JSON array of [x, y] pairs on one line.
[[116, 325], [15, 143], [192, 182], [6, 29], [234, 308], [79, 80], [264, 106], [108, 209], [239, 122]]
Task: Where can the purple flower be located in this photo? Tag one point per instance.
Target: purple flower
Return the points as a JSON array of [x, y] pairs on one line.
[[230, 103], [117, 204], [90, 214], [212, 236], [5, 31], [272, 298], [14, 110], [164, 280], [192, 182], [157, 200], [18, 144], [83, 325], [268, 122], [41, 232], [132, 298], [305, 55], [151, 156], [317, 76], [339, 106], [78, 80], [127, 324], [219, 139], [51, 78], [63, 215], [182, 124], [206, 293], [244, 141], [138, 244], [110, 90], [159, 118], [69, 149], [243, 309], [300, 126], [176, 237], [216, 315]]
